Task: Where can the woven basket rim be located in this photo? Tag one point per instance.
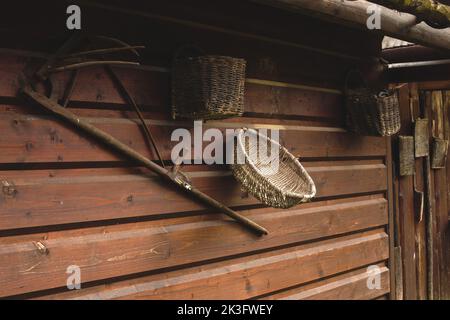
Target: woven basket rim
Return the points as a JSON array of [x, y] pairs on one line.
[[213, 56], [291, 157], [371, 93]]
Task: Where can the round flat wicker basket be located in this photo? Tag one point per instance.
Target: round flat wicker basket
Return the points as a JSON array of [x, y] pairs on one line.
[[208, 87], [285, 187]]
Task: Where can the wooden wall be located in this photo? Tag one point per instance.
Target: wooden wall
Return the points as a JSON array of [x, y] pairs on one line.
[[135, 237], [426, 100]]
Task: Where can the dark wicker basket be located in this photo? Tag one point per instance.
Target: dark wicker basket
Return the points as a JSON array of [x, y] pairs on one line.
[[371, 113], [207, 87]]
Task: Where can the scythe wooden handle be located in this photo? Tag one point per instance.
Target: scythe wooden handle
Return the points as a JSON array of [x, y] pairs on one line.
[[127, 151]]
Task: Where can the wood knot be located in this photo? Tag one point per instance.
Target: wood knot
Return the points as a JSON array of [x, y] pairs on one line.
[[29, 146], [9, 189], [41, 247]]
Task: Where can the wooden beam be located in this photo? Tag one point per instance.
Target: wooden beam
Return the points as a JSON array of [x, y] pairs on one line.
[[395, 24], [433, 12]]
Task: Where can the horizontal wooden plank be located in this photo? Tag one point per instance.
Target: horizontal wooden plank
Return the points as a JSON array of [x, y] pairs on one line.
[[32, 198], [434, 85], [288, 101], [348, 286], [28, 138], [112, 251], [122, 112], [151, 90], [250, 276]]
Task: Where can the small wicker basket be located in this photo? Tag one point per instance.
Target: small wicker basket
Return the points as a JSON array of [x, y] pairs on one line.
[[288, 186], [371, 113], [207, 87]]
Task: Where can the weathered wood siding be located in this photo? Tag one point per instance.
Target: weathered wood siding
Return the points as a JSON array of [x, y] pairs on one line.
[[135, 237], [428, 100]]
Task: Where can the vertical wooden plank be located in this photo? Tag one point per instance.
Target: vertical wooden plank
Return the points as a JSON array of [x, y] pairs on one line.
[[398, 266], [445, 286], [406, 207], [396, 261], [396, 235], [390, 227], [421, 263], [430, 202], [431, 208], [440, 184], [398, 273], [443, 217]]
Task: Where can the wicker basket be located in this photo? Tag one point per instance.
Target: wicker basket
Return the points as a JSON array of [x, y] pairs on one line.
[[288, 186], [207, 87], [370, 113]]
